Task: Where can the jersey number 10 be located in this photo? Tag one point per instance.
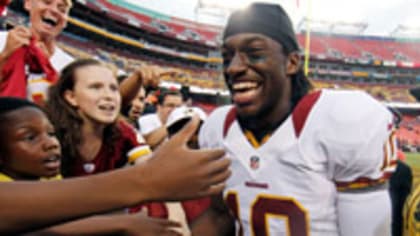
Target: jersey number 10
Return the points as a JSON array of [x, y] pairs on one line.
[[267, 206]]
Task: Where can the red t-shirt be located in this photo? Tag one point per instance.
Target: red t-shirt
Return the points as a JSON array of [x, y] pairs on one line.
[[108, 159], [192, 208]]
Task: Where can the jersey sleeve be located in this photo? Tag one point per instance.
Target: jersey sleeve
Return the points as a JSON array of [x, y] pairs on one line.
[[135, 147], [358, 138], [360, 142]]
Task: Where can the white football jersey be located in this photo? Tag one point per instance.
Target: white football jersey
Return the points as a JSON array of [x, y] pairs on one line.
[[289, 184]]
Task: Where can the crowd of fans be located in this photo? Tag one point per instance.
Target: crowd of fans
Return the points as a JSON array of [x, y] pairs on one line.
[[65, 114]]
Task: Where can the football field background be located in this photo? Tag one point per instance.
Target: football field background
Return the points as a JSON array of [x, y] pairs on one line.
[[413, 159]]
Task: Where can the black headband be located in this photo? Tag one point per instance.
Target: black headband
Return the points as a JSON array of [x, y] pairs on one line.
[[267, 19]]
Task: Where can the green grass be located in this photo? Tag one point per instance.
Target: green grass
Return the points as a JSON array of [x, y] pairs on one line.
[[413, 159]]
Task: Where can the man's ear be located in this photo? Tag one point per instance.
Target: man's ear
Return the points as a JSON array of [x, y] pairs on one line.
[[70, 98], [293, 63]]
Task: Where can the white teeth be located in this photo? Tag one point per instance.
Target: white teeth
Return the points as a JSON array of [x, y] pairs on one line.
[[107, 107], [244, 85], [53, 158], [50, 20]]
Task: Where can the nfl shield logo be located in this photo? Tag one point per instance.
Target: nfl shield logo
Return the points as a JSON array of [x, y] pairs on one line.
[[254, 162]]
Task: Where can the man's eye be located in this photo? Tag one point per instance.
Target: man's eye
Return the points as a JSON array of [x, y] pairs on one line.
[[29, 137], [256, 58], [255, 55]]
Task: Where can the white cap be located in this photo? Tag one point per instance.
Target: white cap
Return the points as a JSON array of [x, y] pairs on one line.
[[185, 112]]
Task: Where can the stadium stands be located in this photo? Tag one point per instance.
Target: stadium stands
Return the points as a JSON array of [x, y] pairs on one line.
[[327, 46], [389, 93], [409, 133], [322, 44], [384, 67], [156, 22], [362, 47]]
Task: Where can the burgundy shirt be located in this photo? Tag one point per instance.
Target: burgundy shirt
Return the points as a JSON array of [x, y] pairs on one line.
[[106, 159]]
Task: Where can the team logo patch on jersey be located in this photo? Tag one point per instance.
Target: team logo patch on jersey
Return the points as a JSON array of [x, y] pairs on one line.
[[254, 162]]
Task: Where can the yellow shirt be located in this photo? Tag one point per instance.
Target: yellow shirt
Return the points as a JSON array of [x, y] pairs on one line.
[[5, 178]]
